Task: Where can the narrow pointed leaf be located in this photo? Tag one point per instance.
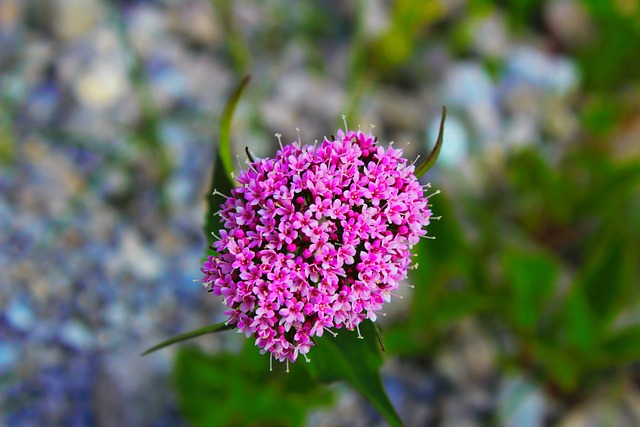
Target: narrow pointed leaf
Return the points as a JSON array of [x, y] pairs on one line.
[[224, 149], [218, 327], [428, 163], [221, 181], [356, 361]]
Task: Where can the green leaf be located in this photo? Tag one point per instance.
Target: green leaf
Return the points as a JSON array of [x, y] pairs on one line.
[[578, 325], [224, 148], [623, 346], [237, 389], [221, 180], [603, 279], [557, 366], [356, 361], [530, 276], [218, 327], [433, 156]]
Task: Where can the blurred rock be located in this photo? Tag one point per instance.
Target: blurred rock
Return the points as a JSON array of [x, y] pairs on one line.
[[471, 358], [521, 404], [136, 257], [74, 18], [533, 67], [10, 17], [19, 314], [76, 335], [9, 354], [196, 20], [600, 412], [490, 37], [148, 28], [521, 130], [569, 21], [376, 19], [467, 83], [101, 86]]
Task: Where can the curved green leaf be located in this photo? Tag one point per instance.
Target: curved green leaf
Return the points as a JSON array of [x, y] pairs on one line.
[[433, 156], [356, 361], [224, 148], [221, 181], [218, 327]]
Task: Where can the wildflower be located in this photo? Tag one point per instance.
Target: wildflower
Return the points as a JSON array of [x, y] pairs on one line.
[[316, 239]]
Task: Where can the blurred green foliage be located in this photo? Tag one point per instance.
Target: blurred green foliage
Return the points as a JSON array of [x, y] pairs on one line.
[[237, 389], [554, 263]]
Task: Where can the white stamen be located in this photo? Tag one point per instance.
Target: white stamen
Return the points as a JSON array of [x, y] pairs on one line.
[[430, 237], [298, 132], [371, 127], [427, 185], [415, 160], [435, 193], [306, 358], [413, 267], [248, 162], [270, 362], [344, 119], [217, 193], [287, 366], [279, 136], [331, 332], [436, 218], [360, 337]]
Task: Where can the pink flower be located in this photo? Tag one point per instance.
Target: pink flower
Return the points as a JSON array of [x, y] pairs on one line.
[[315, 239]]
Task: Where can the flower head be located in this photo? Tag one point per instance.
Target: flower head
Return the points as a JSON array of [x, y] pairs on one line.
[[314, 239]]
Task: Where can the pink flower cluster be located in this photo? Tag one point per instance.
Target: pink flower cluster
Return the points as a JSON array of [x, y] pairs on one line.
[[316, 238]]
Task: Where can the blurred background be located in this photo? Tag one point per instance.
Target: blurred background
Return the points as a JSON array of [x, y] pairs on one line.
[[526, 308]]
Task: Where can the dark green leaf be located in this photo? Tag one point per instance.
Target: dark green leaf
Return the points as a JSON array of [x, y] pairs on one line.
[[530, 277], [603, 279], [623, 346], [557, 366], [424, 166], [221, 181], [230, 390], [218, 327], [356, 361]]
